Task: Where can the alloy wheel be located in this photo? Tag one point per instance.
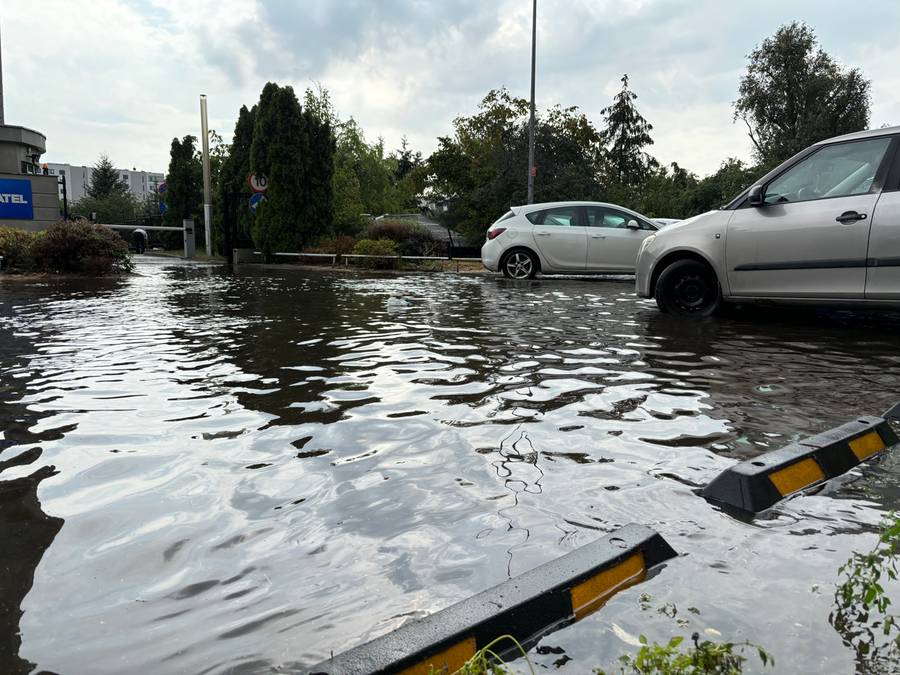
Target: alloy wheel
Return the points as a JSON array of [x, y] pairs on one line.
[[519, 265]]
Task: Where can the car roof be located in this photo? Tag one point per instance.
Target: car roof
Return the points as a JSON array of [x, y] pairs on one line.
[[529, 208], [886, 131]]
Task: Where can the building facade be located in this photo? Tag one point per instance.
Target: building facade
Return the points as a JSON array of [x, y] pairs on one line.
[[28, 200], [141, 184]]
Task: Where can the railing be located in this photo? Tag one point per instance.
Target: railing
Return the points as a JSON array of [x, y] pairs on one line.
[[347, 257]]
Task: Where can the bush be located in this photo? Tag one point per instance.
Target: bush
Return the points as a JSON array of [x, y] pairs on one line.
[[340, 244], [15, 248], [80, 247], [376, 247], [395, 230], [421, 242]]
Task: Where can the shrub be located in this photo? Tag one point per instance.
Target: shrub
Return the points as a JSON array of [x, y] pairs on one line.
[[15, 247], [80, 247], [395, 230], [340, 244], [421, 242], [376, 247]]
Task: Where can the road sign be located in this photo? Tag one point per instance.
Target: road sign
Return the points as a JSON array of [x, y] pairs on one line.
[[162, 208], [256, 200], [258, 183], [162, 188]]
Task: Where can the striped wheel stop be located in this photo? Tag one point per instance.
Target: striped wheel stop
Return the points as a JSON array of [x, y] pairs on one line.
[[526, 607], [757, 484]]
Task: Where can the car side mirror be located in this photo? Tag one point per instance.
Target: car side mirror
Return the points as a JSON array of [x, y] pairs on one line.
[[632, 225], [756, 196]]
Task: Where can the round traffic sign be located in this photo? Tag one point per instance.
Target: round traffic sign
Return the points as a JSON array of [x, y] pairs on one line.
[[257, 182], [162, 188]]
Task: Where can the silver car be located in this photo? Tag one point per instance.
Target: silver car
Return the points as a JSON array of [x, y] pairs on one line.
[[823, 228], [565, 238]]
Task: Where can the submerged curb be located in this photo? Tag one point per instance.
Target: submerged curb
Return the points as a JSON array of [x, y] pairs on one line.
[[757, 484], [526, 607]]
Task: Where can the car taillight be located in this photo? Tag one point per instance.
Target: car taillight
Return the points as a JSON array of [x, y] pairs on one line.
[[496, 232]]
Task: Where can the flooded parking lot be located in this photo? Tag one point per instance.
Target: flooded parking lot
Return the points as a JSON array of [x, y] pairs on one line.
[[213, 472]]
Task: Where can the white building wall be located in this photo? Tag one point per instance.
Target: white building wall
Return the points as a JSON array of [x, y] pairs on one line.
[[140, 183]]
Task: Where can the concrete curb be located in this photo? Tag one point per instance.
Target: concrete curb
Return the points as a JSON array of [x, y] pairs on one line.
[[757, 484], [526, 607]]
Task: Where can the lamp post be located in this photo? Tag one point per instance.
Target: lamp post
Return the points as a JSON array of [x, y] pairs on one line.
[[532, 169], [207, 196]]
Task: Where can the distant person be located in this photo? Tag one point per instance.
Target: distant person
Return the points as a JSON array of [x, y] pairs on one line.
[[139, 237]]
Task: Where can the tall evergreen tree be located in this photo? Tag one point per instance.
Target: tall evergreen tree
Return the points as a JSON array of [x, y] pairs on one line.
[[319, 214], [794, 94], [184, 197], [294, 149], [280, 146], [105, 180], [236, 167], [624, 137]]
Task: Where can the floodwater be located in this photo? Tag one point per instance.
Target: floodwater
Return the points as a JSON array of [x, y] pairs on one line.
[[216, 472]]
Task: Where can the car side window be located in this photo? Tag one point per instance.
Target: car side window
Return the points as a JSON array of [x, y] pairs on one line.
[[836, 170], [598, 216], [566, 216]]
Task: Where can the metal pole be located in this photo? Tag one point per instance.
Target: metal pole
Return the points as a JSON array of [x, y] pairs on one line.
[[532, 169], [207, 196], [2, 119], [65, 198]]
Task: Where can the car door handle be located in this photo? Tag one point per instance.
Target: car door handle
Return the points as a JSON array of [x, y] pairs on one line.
[[598, 236], [850, 217], [542, 234]]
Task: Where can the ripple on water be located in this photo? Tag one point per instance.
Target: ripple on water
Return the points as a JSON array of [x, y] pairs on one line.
[[257, 469]]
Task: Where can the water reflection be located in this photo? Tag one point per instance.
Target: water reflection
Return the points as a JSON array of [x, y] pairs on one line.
[[260, 468]]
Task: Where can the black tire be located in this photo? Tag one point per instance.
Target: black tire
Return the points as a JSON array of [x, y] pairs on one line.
[[519, 264], [688, 288]]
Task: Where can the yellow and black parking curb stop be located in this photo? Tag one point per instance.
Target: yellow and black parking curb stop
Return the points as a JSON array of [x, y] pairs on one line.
[[757, 484], [526, 607]]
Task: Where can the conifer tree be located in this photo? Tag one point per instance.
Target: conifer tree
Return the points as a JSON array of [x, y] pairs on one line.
[[280, 143], [183, 197], [105, 180], [624, 137]]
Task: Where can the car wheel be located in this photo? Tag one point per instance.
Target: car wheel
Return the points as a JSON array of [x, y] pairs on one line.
[[519, 265], [688, 288]]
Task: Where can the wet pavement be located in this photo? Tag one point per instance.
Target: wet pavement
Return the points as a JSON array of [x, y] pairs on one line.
[[213, 472]]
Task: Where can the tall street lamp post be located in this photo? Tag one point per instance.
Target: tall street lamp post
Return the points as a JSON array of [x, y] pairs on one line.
[[532, 169], [207, 192]]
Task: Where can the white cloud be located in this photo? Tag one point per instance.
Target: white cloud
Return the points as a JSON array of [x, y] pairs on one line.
[[124, 76]]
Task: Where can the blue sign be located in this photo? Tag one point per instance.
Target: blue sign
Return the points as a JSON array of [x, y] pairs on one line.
[[162, 188], [15, 199], [256, 200], [162, 208]]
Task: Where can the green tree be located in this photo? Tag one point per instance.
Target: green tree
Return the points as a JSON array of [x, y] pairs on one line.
[[625, 135], [318, 216], [479, 172], [233, 174], [364, 179], [105, 180], [794, 94], [184, 180], [116, 207], [294, 149]]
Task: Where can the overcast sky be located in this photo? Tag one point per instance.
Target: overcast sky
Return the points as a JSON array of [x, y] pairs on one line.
[[123, 76]]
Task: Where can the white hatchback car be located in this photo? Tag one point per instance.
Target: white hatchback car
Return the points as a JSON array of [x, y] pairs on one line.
[[822, 228], [565, 238]]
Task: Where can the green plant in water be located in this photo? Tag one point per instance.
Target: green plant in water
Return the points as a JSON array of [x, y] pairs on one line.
[[862, 615], [486, 661], [704, 657]]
